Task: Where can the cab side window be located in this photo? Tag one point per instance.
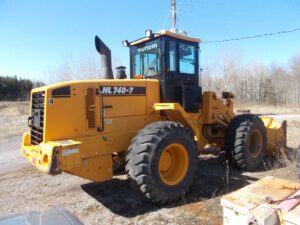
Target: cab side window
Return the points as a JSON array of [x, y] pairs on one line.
[[172, 56], [186, 58]]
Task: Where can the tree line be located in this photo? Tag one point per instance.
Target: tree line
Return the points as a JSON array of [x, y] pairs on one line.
[[256, 83], [14, 88]]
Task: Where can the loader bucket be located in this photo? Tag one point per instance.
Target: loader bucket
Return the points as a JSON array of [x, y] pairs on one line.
[[276, 135]]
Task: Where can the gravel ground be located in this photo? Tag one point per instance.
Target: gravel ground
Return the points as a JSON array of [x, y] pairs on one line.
[[23, 188]]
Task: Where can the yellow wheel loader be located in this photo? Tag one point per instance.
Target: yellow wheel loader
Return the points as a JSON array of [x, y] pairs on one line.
[[153, 125]]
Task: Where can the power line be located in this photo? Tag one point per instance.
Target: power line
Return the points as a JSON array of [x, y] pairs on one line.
[[165, 20], [253, 36]]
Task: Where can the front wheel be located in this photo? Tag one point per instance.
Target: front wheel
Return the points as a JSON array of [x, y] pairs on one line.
[[161, 161], [246, 141]]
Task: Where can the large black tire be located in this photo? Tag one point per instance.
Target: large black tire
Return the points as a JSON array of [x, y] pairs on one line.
[[246, 141], [151, 151], [298, 162]]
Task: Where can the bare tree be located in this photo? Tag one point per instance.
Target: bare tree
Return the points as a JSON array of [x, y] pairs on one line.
[[255, 83], [82, 68]]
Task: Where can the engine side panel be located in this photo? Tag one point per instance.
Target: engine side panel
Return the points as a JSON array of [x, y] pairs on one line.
[[101, 116], [80, 113]]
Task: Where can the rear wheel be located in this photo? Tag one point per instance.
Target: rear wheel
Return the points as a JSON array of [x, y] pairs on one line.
[[161, 161], [246, 141]]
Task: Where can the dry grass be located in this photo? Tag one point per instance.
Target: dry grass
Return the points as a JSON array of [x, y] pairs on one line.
[[111, 202], [284, 165], [266, 109], [14, 108], [13, 119], [293, 133]]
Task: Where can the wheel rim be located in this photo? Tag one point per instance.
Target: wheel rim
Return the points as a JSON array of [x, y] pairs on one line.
[[255, 143], [173, 164]]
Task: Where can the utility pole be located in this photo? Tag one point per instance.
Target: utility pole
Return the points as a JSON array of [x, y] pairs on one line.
[[174, 16]]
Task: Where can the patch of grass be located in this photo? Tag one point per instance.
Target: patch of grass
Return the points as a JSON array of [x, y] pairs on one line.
[[266, 109], [13, 119], [283, 165], [23, 108]]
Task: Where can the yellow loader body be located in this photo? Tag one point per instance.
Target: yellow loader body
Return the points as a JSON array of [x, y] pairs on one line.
[[153, 125], [81, 129], [82, 123]]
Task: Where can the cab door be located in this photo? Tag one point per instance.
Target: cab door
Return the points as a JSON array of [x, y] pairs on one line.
[[181, 80]]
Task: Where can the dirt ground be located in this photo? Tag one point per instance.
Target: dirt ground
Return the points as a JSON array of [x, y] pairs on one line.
[[23, 188]]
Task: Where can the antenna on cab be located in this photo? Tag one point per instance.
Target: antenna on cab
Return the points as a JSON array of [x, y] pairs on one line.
[[174, 19]]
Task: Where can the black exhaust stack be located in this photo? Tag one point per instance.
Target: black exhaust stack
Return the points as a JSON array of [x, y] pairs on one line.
[[104, 51]]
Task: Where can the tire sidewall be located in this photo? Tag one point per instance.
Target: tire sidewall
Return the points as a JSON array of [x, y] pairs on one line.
[[184, 140], [236, 138], [143, 156], [251, 161]]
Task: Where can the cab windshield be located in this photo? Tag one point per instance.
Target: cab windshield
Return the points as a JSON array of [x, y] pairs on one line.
[[146, 59]]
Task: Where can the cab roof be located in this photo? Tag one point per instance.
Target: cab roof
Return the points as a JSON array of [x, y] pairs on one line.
[[166, 33]]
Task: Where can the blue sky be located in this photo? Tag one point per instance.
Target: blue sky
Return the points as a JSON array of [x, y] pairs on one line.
[[36, 35]]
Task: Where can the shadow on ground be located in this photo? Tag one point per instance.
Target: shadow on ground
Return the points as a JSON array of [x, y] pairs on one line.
[[118, 196], [214, 178]]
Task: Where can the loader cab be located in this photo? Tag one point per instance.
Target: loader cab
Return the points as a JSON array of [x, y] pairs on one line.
[[173, 59]]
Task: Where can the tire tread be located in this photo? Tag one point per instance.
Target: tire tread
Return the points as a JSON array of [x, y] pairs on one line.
[[142, 150]]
